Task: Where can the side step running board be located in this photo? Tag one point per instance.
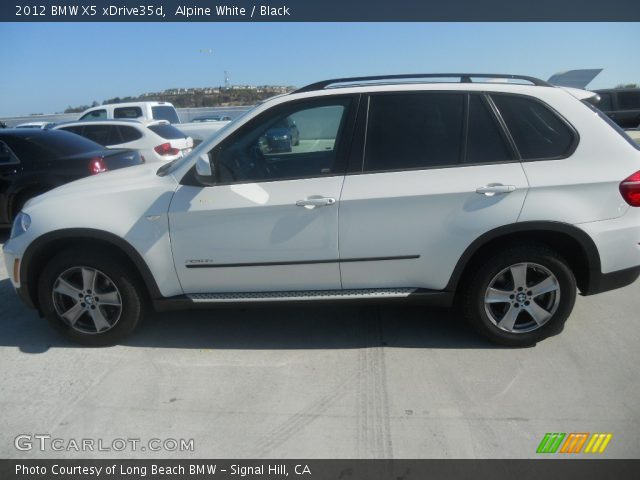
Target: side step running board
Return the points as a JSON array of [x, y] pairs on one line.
[[302, 295]]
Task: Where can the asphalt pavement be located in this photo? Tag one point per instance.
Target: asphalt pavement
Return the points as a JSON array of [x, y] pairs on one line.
[[321, 382]]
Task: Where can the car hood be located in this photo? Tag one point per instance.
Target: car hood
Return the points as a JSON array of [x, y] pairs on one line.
[[111, 183]]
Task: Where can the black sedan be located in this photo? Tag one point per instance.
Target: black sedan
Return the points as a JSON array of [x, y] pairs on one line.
[[35, 161]]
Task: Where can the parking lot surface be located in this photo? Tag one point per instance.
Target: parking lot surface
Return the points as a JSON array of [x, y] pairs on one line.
[[322, 382]]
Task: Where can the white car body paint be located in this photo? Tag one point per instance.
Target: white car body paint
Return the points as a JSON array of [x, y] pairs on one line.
[[432, 214]]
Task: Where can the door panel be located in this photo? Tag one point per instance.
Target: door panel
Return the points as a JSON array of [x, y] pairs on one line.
[[434, 214], [256, 223]]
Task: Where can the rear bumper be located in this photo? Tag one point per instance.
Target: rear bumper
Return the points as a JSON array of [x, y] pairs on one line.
[[603, 282]]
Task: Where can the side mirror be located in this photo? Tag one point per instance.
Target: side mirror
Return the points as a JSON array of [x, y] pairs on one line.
[[204, 170]]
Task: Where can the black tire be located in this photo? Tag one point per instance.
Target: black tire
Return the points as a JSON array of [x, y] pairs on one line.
[[124, 318], [500, 267]]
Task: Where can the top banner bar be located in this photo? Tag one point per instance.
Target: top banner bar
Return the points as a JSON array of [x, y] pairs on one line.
[[319, 11]]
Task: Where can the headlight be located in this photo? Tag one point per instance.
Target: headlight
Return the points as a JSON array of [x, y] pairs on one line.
[[21, 224]]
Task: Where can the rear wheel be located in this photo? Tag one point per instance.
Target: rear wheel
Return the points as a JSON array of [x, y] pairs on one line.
[[92, 299], [520, 296]]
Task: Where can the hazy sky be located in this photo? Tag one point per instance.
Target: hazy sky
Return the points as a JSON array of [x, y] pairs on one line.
[[46, 67]]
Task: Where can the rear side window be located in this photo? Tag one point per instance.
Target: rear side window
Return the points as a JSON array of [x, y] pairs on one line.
[[168, 132], [98, 133], [165, 112], [537, 131], [629, 100], [485, 142], [94, 115], [413, 131], [77, 130], [129, 134], [127, 112]]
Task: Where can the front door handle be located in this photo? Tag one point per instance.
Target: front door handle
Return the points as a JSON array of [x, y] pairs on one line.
[[495, 189], [315, 201]]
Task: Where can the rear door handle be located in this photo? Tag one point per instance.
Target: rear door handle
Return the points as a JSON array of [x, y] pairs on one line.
[[495, 189], [315, 201]]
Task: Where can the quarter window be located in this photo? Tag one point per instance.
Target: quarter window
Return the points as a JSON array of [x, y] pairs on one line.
[[537, 131], [485, 143], [296, 143], [413, 131], [129, 134]]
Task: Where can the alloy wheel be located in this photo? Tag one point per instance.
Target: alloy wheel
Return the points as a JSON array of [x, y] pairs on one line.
[[87, 300], [522, 297]]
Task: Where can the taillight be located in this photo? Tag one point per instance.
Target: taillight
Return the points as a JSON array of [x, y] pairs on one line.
[[96, 165], [166, 149], [630, 189]]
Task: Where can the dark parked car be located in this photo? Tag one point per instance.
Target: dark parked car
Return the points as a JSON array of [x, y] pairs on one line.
[[282, 136], [35, 161], [622, 105]]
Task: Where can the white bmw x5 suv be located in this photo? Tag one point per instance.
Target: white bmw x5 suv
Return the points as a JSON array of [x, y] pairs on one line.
[[503, 192]]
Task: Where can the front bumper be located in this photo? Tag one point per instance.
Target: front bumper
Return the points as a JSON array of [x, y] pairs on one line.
[[12, 263]]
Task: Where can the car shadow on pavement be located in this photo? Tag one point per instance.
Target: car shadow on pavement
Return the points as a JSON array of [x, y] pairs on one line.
[[307, 327], [273, 327]]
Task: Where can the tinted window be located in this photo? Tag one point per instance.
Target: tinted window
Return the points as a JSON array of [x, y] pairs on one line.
[[413, 131], [127, 112], [629, 100], [164, 112], [168, 132], [94, 115], [297, 143], [129, 134], [485, 143], [605, 102], [98, 133], [538, 132], [77, 130]]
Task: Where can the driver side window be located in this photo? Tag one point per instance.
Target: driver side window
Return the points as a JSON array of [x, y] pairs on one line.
[[296, 143]]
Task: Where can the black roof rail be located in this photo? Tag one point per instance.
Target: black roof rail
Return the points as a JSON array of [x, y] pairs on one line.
[[464, 78]]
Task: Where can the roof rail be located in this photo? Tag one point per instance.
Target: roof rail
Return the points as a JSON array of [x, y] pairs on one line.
[[464, 78]]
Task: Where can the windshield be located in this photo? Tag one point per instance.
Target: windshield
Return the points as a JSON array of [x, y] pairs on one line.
[[172, 166]]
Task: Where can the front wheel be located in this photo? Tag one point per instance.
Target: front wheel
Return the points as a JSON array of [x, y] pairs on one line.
[[520, 296], [91, 298]]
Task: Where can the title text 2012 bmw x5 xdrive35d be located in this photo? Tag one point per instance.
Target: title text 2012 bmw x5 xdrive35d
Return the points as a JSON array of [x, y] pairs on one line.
[[507, 196]]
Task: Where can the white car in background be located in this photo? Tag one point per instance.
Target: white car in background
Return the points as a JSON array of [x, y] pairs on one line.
[[36, 125], [157, 141], [133, 110]]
